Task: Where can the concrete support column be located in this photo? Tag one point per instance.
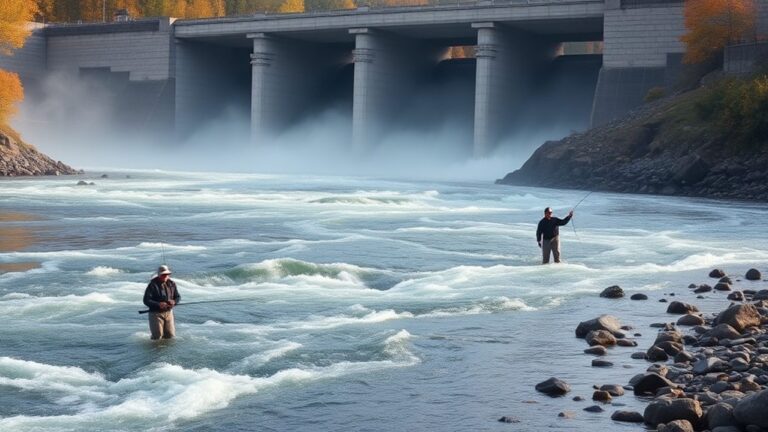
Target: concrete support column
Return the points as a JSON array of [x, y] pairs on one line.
[[287, 75], [387, 68], [507, 62]]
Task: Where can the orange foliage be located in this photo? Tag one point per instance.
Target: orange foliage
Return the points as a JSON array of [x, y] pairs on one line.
[[291, 6], [712, 24], [14, 15], [11, 93]]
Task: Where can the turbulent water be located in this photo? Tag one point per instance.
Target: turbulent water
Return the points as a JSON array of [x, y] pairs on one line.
[[363, 304]]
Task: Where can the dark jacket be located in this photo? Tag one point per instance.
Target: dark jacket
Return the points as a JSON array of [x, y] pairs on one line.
[[156, 293], [549, 227]]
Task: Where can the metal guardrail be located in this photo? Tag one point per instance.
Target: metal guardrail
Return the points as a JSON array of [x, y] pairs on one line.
[[433, 5], [635, 4]]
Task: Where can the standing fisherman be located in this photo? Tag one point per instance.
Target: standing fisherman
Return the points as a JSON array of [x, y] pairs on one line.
[[160, 297], [548, 234]]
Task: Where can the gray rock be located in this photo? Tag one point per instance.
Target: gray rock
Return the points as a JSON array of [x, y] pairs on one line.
[[600, 337], [594, 409], [601, 396], [665, 410], [690, 320], [614, 291], [709, 364], [683, 357], [681, 308], [723, 331], [722, 286], [736, 296], [601, 363], [626, 343], [638, 296], [553, 387], [753, 274], [702, 289], [720, 414], [639, 356], [603, 322], [726, 279], [627, 416], [671, 348], [739, 317], [649, 383], [727, 429], [716, 273], [567, 414], [676, 426], [655, 353], [752, 409], [509, 419], [613, 389], [596, 350]]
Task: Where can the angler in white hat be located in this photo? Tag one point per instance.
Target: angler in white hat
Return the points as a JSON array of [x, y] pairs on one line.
[[160, 297]]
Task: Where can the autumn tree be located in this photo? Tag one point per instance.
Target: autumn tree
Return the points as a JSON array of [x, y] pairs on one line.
[[713, 24], [291, 6], [14, 16]]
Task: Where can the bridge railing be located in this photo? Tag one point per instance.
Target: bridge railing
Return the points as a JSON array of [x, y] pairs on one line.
[[407, 5]]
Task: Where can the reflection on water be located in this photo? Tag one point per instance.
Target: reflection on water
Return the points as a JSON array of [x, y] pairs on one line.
[[15, 238]]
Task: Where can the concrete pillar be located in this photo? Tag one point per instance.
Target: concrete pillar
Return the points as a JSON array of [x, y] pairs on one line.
[[287, 76], [386, 70], [507, 62]]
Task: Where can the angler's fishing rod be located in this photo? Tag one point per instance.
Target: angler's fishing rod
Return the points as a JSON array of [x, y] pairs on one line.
[[573, 225], [204, 302]]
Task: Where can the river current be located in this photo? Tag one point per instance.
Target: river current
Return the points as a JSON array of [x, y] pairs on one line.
[[361, 304]]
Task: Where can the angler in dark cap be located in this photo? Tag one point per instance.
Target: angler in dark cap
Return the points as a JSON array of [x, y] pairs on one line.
[[160, 297], [548, 234]]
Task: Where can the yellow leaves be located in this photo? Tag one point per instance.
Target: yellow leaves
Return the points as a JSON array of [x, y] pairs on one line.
[[11, 93], [14, 15], [712, 24], [291, 6]]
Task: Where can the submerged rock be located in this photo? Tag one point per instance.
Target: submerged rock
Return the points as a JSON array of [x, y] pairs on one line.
[[614, 291]]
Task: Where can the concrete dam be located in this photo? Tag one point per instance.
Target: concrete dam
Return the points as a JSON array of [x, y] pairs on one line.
[[177, 74]]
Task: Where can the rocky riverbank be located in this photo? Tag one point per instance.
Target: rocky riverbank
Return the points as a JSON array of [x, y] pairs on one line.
[[665, 147], [707, 371], [20, 159]]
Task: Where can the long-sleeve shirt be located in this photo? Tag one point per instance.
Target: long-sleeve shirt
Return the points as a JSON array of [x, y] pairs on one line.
[[548, 228], [158, 292]]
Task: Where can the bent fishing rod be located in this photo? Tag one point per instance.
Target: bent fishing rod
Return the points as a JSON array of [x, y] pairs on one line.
[[573, 225], [204, 302]]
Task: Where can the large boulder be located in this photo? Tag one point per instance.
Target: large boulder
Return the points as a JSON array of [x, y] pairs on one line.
[[753, 409], [681, 308], [614, 291], [739, 317], [649, 383], [604, 322], [665, 410], [553, 387], [753, 274]]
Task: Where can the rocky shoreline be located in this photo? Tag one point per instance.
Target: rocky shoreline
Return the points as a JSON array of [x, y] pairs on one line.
[[661, 148], [707, 372], [20, 159]]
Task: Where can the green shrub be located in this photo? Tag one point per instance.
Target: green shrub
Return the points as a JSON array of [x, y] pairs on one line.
[[739, 109], [655, 93]]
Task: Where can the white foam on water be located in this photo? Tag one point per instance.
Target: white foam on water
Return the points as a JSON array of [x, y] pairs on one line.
[[103, 271], [281, 348], [44, 308], [131, 403]]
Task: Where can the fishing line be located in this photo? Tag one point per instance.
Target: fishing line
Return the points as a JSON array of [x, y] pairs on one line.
[[206, 301], [573, 225]]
